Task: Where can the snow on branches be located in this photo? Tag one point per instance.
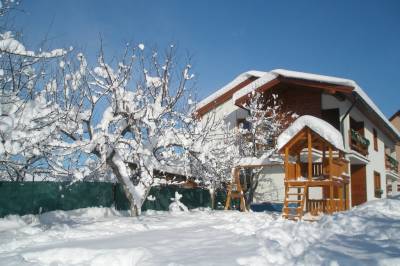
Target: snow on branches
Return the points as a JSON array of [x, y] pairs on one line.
[[266, 120], [258, 133], [124, 117], [28, 118]]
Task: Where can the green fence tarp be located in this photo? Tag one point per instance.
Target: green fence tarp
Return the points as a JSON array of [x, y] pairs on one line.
[[36, 197]]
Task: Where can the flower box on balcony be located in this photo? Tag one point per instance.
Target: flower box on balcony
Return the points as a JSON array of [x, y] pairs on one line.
[[378, 193], [359, 142], [391, 163]]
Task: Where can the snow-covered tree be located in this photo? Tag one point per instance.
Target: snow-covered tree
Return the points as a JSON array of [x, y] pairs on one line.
[[124, 117], [76, 121], [28, 119], [212, 150], [266, 119]]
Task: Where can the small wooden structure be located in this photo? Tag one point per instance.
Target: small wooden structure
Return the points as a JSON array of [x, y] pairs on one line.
[[235, 191], [324, 167]]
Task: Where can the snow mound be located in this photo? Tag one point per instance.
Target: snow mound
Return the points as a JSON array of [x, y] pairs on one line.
[[84, 256], [176, 206], [319, 126], [363, 236]]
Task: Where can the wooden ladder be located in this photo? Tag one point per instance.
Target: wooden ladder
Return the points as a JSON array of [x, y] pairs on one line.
[[293, 208], [235, 191]]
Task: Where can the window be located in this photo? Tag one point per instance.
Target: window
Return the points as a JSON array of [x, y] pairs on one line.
[[243, 123], [375, 139], [377, 185], [331, 116]]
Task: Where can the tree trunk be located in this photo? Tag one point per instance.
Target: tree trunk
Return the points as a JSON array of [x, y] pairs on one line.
[[212, 196], [252, 189], [133, 206]]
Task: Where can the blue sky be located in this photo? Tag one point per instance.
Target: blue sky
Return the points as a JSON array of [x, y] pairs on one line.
[[352, 39]]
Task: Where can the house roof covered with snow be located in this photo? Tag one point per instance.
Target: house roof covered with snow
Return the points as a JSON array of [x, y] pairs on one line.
[[319, 126], [265, 80], [226, 92]]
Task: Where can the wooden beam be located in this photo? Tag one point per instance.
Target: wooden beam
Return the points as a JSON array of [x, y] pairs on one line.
[[228, 197], [298, 166], [242, 100], [223, 98], [328, 87], [309, 140], [240, 190], [299, 136], [330, 178], [287, 163], [341, 196], [330, 162], [347, 188]]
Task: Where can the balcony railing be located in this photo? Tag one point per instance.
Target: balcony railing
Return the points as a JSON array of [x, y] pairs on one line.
[[320, 171], [358, 142], [325, 206], [391, 163]]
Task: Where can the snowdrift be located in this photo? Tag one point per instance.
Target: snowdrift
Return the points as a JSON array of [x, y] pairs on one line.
[[366, 235]]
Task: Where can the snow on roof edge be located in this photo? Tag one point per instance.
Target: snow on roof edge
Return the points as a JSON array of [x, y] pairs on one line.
[[239, 79], [338, 81], [267, 77], [319, 126]]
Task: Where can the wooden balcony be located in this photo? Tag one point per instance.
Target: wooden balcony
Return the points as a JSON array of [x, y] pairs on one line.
[[391, 163], [358, 142]]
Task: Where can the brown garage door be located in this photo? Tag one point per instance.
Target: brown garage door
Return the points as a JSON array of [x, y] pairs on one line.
[[358, 185]]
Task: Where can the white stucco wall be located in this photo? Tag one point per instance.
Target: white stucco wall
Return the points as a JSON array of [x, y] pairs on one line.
[[228, 112], [271, 185], [376, 158]]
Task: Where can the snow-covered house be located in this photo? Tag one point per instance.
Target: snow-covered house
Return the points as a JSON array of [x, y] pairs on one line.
[[394, 188], [368, 137]]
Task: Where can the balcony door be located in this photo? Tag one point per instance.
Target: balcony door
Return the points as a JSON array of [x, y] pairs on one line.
[[358, 184]]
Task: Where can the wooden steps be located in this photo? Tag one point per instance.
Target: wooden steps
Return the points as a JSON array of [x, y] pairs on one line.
[[295, 196], [295, 201]]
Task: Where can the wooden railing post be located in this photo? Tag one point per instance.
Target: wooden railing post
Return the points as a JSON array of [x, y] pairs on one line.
[[341, 198]]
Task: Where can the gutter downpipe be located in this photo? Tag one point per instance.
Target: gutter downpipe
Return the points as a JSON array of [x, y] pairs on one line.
[[346, 114]]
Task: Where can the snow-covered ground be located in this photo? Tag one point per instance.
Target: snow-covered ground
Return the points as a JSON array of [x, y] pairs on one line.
[[367, 235]]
